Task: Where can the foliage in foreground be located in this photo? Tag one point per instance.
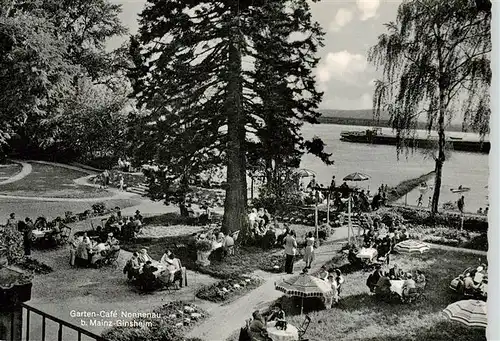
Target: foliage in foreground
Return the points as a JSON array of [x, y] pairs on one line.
[[176, 318]]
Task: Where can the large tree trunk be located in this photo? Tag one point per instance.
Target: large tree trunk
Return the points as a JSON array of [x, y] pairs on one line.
[[235, 215], [441, 156]]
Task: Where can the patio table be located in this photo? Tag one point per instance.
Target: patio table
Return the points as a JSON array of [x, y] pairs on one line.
[[397, 286], [40, 233], [367, 253], [290, 334]]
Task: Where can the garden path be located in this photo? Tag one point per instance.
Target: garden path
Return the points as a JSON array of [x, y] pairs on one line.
[[25, 171], [224, 320]]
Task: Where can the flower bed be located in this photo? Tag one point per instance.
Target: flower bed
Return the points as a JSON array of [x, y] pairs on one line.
[[171, 322], [451, 219], [229, 289], [452, 237], [34, 266], [276, 263]]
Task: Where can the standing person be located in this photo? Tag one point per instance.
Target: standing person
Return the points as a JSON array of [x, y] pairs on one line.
[[461, 204], [290, 251], [11, 222], [122, 182], [309, 252], [340, 280], [420, 200], [332, 183], [429, 202], [28, 236]]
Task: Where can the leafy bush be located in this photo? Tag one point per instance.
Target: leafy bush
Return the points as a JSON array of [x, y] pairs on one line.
[[12, 241], [228, 289], [203, 245], [99, 208]]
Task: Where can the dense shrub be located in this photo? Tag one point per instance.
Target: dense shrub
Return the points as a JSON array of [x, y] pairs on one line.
[[228, 289], [99, 208], [34, 265], [203, 245], [12, 241], [450, 219]]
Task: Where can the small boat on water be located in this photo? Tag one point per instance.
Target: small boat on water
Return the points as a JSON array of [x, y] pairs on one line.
[[460, 189]]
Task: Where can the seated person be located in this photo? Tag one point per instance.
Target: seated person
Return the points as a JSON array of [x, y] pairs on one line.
[[138, 216], [409, 286], [97, 252], [323, 273], [278, 315], [144, 257], [470, 288], [128, 230], [55, 234], [110, 222], [281, 238], [257, 329], [395, 273], [132, 267], [373, 279], [165, 259], [220, 238], [340, 280], [82, 256], [228, 245], [113, 243], [479, 275], [173, 272], [383, 287], [147, 278], [420, 280]]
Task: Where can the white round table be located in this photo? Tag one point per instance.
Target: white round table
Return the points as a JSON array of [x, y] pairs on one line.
[[290, 334], [397, 286]]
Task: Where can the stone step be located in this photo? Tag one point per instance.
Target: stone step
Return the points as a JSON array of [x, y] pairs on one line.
[[137, 190]]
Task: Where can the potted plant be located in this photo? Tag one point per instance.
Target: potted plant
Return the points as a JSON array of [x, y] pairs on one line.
[[203, 250]]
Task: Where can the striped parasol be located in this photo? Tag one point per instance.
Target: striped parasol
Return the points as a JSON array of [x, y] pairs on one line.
[[472, 313], [411, 246], [356, 177], [305, 173], [304, 286]]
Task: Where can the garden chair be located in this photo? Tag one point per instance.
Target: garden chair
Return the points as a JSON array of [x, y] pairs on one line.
[[179, 277], [112, 257], [303, 328]]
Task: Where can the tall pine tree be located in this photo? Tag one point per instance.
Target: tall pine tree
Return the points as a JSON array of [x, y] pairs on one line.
[[196, 74]]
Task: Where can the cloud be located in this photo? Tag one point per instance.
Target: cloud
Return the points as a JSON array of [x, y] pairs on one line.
[[341, 103], [342, 18], [368, 8], [341, 65]]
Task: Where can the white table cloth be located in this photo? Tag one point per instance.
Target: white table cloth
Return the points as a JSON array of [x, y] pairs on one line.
[[39, 233], [397, 286], [290, 334], [367, 253]]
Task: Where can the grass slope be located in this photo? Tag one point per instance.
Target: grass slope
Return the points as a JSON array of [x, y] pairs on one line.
[[51, 181], [362, 317]]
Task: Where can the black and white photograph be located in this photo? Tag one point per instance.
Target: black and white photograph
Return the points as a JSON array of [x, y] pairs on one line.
[[248, 170]]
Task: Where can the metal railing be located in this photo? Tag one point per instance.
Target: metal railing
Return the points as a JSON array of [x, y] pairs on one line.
[[79, 331]]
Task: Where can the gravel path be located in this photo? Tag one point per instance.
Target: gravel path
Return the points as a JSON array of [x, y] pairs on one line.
[[25, 171]]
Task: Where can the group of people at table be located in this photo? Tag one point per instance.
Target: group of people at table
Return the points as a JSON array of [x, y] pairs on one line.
[[126, 228], [406, 285], [89, 252], [33, 232], [150, 274], [474, 282]]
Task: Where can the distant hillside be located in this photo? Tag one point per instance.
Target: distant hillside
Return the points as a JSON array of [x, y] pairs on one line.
[[365, 117]]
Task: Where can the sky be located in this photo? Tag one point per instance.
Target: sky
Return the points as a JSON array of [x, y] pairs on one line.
[[351, 27]]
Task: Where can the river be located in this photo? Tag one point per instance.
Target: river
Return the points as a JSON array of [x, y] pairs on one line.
[[381, 164]]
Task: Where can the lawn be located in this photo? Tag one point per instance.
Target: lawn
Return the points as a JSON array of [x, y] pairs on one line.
[[7, 171], [362, 317], [51, 181]]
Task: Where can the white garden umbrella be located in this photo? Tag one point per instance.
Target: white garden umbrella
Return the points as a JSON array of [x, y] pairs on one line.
[[472, 313], [305, 173], [356, 177], [411, 246], [304, 286]]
